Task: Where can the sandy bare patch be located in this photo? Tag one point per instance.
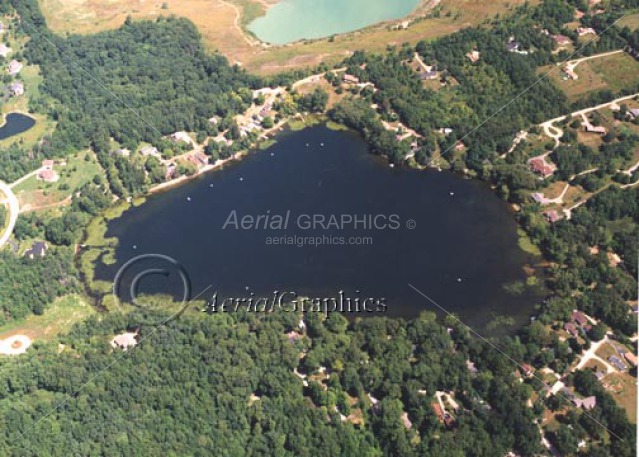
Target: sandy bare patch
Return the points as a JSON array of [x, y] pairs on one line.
[[14, 345]]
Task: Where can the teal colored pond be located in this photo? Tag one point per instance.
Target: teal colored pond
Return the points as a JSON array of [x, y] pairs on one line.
[[293, 20]]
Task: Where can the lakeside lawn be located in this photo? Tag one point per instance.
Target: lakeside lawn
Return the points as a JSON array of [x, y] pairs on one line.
[[36, 194], [30, 76]]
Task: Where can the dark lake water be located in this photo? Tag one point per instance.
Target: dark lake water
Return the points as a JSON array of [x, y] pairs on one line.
[[461, 253], [16, 123]]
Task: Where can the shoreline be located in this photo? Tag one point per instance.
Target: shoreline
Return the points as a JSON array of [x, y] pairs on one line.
[[421, 10]]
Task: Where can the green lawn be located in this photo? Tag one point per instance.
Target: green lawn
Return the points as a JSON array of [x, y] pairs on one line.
[[73, 175], [58, 318]]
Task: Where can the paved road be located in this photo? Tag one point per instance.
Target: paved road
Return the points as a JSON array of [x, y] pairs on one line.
[[14, 209]]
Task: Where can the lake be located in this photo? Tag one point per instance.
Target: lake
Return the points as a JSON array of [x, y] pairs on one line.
[[15, 123], [461, 252], [294, 20]]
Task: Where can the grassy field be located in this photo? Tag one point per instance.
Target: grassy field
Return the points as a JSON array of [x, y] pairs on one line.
[[611, 72], [631, 21], [36, 194], [57, 319], [623, 388], [221, 23]]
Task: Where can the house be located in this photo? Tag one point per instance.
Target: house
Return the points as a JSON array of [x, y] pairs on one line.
[[631, 358], [541, 167], [124, 341], [122, 152], [293, 336], [552, 216], [581, 31], [38, 249], [181, 136], [579, 317], [460, 146], [350, 79], [538, 198], [570, 73], [561, 40], [585, 403], [570, 328], [48, 175], [513, 46], [600, 129], [171, 169], [406, 421], [48, 164], [438, 411], [634, 113], [150, 151], [428, 75], [619, 365], [528, 370], [473, 56], [16, 88], [472, 368], [4, 50], [14, 67]]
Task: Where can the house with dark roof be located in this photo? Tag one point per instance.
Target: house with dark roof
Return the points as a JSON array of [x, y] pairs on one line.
[[38, 250], [616, 361]]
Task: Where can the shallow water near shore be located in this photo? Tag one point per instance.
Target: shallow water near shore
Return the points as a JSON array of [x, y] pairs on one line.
[[461, 252], [294, 20]]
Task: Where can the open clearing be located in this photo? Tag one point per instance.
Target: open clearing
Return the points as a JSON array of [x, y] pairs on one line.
[[58, 318], [613, 72], [221, 24], [631, 21]]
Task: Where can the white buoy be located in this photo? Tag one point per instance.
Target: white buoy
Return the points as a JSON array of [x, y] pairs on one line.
[[241, 179], [306, 144], [210, 185], [322, 144], [247, 287], [272, 154], [135, 246], [188, 199], [459, 279], [452, 194]]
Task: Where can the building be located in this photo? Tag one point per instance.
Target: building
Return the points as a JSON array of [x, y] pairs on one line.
[[552, 216], [14, 67], [473, 56], [570, 328], [122, 152], [4, 50], [171, 170], [616, 361], [581, 31], [579, 317], [48, 164], [150, 151], [48, 175], [562, 40], [428, 75], [16, 88], [38, 249], [634, 113], [541, 167], [600, 129], [513, 46], [631, 358], [585, 403], [570, 73], [350, 79]]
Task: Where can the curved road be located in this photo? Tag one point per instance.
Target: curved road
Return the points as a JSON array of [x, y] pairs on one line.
[[14, 209]]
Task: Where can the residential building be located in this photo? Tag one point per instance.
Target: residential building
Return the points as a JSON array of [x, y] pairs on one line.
[[14, 67], [38, 249], [16, 88]]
